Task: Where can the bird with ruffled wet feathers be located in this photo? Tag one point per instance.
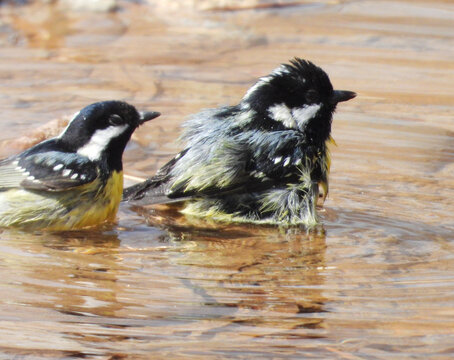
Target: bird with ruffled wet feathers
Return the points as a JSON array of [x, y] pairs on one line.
[[261, 161], [74, 180]]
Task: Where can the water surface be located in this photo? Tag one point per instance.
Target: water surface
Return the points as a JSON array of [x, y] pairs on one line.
[[375, 281]]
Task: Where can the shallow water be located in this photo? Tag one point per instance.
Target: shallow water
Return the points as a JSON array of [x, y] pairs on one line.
[[375, 281]]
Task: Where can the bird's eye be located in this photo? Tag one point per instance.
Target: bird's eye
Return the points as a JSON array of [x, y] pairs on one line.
[[312, 96], [115, 120]]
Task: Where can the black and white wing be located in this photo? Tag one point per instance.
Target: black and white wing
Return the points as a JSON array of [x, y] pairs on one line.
[[245, 164], [46, 171]]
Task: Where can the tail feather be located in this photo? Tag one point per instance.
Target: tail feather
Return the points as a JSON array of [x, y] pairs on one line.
[[154, 189], [149, 187]]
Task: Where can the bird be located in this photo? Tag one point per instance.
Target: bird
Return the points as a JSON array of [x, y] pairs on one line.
[[74, 180], [260, 161]]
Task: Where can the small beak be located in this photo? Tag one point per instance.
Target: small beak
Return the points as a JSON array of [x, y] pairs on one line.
[[342, 95], [148, 115]]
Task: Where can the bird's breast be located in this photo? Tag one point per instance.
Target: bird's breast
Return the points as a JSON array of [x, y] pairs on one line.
[[104, 204]]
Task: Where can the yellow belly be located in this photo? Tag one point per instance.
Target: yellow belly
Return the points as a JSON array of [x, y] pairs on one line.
[[326, 160], [102, 208], [73, 209]]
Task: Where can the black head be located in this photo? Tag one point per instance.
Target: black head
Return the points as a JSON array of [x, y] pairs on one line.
[[102, 130], [297, 95]]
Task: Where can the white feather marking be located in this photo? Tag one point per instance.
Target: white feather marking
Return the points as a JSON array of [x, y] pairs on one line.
[[278, 160], [58, 167], [253, 88], [26, 173], [15, 163], [50, 162], [244, 117], [281, 70], [257, 174], [245, 106], [74, 176], [287, 161], [298, 162], [69, 123], [66, 172], [74, 116], [83, 177], [19, 168], [280, 112], [99, 141], [31, 177], [304, 114]]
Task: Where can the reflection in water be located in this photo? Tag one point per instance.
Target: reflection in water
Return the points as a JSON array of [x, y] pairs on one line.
[[261, 272], [78, 272], [112, 284], [376, 281]]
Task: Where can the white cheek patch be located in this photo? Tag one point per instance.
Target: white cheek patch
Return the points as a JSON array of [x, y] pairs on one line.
[[281, 113], [99, 141], [304, 114]]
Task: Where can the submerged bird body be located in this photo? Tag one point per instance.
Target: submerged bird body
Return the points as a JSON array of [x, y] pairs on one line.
[[259, 161], [74, 180], [77, 208]]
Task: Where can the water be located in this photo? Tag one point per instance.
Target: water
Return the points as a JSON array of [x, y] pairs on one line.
[[375, 281]]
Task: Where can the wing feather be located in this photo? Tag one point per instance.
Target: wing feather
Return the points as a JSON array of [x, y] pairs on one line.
[[219, 166], [47, 171]]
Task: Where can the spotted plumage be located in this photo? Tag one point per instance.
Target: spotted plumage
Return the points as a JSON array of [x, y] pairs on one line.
[[259, 161], [75, 179]]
